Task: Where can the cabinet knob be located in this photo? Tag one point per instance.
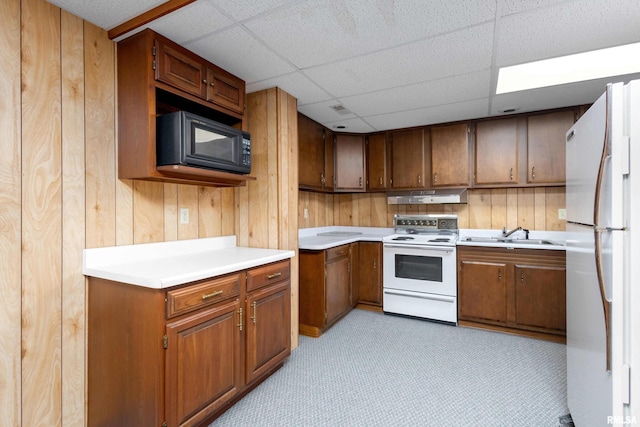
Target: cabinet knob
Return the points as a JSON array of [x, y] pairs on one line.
[[212, 84], [204, 81]]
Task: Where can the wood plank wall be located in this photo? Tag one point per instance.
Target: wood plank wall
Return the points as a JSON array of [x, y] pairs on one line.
[[270, 212], [59, 194], [531, 208]]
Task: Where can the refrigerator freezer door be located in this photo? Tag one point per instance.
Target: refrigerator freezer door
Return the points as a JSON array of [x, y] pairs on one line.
[[589, 384], [585, 141]]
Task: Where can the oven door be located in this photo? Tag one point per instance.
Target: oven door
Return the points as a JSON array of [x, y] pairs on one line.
[[427, 269]]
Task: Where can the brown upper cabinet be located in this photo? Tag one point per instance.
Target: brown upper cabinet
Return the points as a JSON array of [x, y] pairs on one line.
[[157, 76], [496, 152], [450, 155], [408, 159], [186, 71], [311, 152], [546, 136], [350, 173], [377, 162]]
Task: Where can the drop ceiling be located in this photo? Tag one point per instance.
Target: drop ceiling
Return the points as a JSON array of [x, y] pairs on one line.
[[389, 63]]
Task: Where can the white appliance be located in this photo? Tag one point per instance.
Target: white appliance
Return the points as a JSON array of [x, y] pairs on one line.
[[602, 221], [419, 267]]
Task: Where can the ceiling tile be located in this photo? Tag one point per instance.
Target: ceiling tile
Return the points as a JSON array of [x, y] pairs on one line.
[[509, 7], [201, 16], [306, 91], [244, 9], [448, 55], [442, 91], [425, 116], [107, 14], [357, 27], [238, 52], [323, 113], [356, 125], [565, 28]]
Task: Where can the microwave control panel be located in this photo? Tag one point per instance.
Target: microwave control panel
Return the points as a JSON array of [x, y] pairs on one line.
[[246, 149]]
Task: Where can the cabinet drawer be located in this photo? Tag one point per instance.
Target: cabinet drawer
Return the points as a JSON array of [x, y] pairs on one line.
[[202, 294], [266, 275], [337, 252]]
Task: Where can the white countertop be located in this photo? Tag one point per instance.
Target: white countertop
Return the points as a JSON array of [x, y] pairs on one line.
[[165, 264], [316, 238], [308, 238]]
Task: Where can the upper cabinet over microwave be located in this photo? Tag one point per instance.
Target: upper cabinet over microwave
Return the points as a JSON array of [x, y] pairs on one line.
[[156, 77]]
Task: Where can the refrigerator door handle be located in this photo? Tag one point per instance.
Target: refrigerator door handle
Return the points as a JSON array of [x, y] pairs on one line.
[[606, 304], [606, 152]]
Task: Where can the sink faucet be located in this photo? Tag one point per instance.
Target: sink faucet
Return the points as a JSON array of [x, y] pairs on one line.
[[506, 233]]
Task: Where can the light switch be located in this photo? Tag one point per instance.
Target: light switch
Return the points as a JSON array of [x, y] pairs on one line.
[[562, 214], [306, 213]]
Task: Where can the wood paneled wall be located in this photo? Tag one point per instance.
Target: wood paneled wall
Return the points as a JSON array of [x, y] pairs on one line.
[[59, 194], [531, 208]]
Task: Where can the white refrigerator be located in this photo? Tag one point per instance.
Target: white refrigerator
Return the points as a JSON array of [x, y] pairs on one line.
[[602, 221]]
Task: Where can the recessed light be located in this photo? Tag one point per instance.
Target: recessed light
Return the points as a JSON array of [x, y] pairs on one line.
[[596, 64], [339, 126], [509, 109]]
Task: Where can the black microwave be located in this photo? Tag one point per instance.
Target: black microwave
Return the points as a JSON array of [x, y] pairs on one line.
[[183, 138]]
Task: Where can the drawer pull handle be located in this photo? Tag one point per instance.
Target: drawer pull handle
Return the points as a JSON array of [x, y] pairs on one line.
[[274, 275], [240, 314], [211, 295]]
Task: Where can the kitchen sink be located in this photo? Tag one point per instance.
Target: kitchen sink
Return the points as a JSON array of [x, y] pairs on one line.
[[513, 241]]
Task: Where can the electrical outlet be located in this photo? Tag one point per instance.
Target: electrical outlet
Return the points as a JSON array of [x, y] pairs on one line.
[[306, 213], [184, 215], [562, 214]]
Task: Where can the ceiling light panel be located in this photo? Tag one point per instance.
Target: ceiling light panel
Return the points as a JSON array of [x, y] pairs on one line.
[[451, 54], [358, 27], [323, 113], [565, 28]]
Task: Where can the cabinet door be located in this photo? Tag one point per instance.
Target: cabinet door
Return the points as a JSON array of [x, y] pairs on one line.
[[450, 155], [268, 329], [370, 273], [349, 163], [546, 139], [482, 291], [177, 68], [203, 363], [337, 288], [540, 294], [311, 154], [496, 152], [377, 162], [408, 159], [225, 89]]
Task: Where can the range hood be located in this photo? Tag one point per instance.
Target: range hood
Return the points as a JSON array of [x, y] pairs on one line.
[[427, 197]]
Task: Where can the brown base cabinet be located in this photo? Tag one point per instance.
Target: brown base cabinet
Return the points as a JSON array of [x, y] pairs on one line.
[[370, 273], [513, 290], [181, 356], [325, 288]]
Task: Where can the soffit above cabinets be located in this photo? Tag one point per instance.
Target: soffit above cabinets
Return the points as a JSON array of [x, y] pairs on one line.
[[391, 63]]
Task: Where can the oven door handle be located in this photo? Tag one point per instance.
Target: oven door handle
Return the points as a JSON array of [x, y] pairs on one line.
[[422, 247], [420, 295]]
